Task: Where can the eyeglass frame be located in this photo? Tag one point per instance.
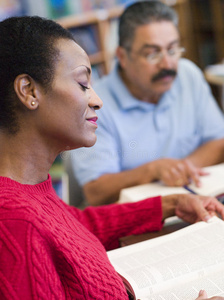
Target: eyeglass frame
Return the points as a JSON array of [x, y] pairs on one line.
[[158, 55]]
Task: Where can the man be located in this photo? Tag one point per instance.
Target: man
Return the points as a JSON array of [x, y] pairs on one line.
[[159, 120]]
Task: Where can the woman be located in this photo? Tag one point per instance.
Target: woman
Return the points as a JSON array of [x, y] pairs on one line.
[[48, 249]]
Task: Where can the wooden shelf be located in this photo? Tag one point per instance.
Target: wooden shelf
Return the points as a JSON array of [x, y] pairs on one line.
[[97, 58], [100, 19], [90, 17]]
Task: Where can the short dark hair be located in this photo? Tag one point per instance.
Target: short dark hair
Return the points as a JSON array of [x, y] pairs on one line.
[[26, 47], [142, 13]]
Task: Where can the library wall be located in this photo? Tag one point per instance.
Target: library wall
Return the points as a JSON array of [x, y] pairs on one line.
[[201, 24]]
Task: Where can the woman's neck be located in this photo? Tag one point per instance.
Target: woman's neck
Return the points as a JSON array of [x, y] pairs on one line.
[[24, 160]]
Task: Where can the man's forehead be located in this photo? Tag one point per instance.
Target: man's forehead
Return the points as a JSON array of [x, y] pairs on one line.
[[156, 33], [147, 46]]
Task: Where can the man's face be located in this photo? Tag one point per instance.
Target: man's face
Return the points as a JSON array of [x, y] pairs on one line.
[[147, 78]]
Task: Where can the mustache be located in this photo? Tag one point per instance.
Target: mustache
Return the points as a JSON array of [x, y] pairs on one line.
[[163, 73]]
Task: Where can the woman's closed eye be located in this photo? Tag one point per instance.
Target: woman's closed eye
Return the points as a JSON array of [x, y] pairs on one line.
[[84, 87]]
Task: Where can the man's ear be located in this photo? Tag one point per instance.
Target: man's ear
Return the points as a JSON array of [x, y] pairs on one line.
[[121, 54], [27, 91]]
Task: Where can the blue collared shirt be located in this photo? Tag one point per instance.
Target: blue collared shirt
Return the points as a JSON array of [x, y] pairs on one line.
[[132, 132]]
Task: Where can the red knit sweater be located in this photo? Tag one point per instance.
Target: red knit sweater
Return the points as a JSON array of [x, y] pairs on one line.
[[49, 250]]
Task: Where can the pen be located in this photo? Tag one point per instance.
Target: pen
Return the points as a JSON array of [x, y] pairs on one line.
[[189, 190]]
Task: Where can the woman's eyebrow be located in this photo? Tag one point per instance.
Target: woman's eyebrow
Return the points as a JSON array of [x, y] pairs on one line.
[[83, 70]]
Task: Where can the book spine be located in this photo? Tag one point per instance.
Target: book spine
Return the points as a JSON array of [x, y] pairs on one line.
[[58, 8], [74, 7], [38, 8]]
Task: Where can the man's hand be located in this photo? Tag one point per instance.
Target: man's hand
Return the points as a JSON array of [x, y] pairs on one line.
[[191, 208], [203, 296], [177, 172]]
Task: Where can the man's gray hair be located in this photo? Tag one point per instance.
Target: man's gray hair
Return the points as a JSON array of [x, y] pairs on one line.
[[142, 13]]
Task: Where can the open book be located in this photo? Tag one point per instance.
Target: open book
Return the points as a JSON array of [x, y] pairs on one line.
[[175, 266], [212, 185]]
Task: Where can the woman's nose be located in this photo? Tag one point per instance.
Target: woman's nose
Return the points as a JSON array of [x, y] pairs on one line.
[[95, 100]]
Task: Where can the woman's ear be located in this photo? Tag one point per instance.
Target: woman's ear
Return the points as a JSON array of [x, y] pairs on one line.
[[27, 91]]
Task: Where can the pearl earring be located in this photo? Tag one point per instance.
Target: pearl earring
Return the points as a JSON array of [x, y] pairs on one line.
[[33, 103]]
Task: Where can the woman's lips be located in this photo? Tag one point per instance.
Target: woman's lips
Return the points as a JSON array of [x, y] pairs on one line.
[[93, 120]]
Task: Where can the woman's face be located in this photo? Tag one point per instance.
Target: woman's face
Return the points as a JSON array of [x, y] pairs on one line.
[[68, 116]]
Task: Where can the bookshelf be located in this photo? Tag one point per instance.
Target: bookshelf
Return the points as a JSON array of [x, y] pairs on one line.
[[183, 9], [208, 25], [96, 25], [217, 10], [104, 26]]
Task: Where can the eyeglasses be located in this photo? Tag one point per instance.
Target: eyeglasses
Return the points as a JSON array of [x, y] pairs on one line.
[[157, 56]]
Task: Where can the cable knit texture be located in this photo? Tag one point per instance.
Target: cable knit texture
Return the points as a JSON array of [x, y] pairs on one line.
[[49, 250]]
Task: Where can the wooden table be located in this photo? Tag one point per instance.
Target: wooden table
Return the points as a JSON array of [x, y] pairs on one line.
[[168, 228]]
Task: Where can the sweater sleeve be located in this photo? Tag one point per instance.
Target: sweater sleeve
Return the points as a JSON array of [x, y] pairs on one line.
[[111, 222]]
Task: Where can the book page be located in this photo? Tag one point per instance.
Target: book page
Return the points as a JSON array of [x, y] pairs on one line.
[[211, 184], [213, 283], [147, 190], [163, 264]]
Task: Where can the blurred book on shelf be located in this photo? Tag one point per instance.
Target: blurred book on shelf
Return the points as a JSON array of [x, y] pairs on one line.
[[111, 41], [36, 8], [75, 7], [58, 8], [86, 5], [86, 37]]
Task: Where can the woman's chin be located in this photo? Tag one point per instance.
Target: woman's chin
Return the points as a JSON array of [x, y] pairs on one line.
[[82, 143], [89, 143]]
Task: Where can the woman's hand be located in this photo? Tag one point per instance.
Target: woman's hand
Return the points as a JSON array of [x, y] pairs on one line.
[[191, 208], [203, 295]]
